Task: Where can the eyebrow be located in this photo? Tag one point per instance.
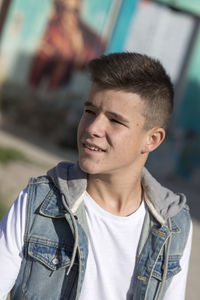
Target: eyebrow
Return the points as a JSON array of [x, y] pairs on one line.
[[88, 103], [112, 113]]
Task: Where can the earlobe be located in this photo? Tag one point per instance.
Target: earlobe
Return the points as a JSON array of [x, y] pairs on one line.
[[155, 137]]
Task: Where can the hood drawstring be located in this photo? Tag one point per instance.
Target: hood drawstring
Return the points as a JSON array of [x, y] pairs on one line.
[[64, 201], [165, 265]]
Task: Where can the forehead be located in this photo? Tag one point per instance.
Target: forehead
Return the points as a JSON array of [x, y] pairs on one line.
[[114, 98]]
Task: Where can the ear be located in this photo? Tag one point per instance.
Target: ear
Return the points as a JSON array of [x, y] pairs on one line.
[[155, 137]]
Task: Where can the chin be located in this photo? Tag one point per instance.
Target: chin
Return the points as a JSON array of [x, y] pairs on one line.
[[87, 168]]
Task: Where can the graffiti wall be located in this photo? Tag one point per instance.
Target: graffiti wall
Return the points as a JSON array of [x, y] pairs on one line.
[[44, 49], [44, 42]]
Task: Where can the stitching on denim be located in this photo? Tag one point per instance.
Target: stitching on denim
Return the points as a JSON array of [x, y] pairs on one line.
[[141, 278], [45, 262], [161, 249], [47, 242], [159, 232]]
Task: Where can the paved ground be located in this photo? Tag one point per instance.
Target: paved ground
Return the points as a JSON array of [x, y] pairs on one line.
[[13, 178]]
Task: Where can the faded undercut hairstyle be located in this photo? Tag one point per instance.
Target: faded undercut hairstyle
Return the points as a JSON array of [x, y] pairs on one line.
[[139, 74]]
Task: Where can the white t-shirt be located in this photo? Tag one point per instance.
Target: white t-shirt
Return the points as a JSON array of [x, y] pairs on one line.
[[112, 251], [113, 242]]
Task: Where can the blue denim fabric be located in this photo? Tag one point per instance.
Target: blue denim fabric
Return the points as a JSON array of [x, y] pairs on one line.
[[48, 248], [49, 244], [150, 261]]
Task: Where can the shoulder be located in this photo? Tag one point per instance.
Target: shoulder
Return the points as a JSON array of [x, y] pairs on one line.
[[181, 227], [40, 180], [183, 219], [40, 189], [41, 183]]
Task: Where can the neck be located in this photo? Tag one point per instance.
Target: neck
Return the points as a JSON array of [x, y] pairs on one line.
[[118, 195]]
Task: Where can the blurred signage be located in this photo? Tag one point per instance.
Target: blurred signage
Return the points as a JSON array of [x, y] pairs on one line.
[[192, 6], [126, 14], [161, 33]]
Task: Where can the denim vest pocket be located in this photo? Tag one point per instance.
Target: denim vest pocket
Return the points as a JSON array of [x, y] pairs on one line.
[[51, 254], [173, 267], [44, 275]]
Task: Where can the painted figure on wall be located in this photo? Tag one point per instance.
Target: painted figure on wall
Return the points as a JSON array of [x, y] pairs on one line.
[[68, 43]]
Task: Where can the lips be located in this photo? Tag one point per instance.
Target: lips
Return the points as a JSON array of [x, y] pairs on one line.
[[93, 147]]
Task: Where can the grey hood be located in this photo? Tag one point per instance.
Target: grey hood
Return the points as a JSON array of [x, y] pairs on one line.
[[72, 183], [162, 202]]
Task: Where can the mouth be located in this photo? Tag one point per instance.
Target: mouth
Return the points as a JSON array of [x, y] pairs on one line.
[[92, 147]]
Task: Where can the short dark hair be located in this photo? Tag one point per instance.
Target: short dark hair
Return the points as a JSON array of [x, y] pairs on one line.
[[139, 74]]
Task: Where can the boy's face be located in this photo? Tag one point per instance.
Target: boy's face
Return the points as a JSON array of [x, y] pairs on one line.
[[111, 134]]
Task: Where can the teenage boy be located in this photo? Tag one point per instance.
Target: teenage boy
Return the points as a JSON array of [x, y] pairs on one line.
[[103, 228]]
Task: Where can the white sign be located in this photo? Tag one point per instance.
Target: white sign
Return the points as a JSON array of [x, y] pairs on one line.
[[161, 33]]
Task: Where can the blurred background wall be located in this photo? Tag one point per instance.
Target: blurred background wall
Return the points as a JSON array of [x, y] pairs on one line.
[[46, 45]]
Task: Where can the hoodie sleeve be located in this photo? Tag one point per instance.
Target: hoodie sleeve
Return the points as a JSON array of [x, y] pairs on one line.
[[11, 243]]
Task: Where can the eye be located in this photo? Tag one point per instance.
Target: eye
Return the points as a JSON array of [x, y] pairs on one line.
[[89, 111], [115, 121]]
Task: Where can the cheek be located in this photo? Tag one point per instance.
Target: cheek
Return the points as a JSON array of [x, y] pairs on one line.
[[119, 141], [128, 143], [81, 126], [79, 134], [85, 122]]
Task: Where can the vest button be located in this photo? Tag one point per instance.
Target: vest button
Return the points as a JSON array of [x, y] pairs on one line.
[[55, 261]]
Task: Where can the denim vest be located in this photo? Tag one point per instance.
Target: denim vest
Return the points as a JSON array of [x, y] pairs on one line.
[[49, 240]]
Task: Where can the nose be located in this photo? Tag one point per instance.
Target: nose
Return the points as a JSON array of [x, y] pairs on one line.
[[96, 127]]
